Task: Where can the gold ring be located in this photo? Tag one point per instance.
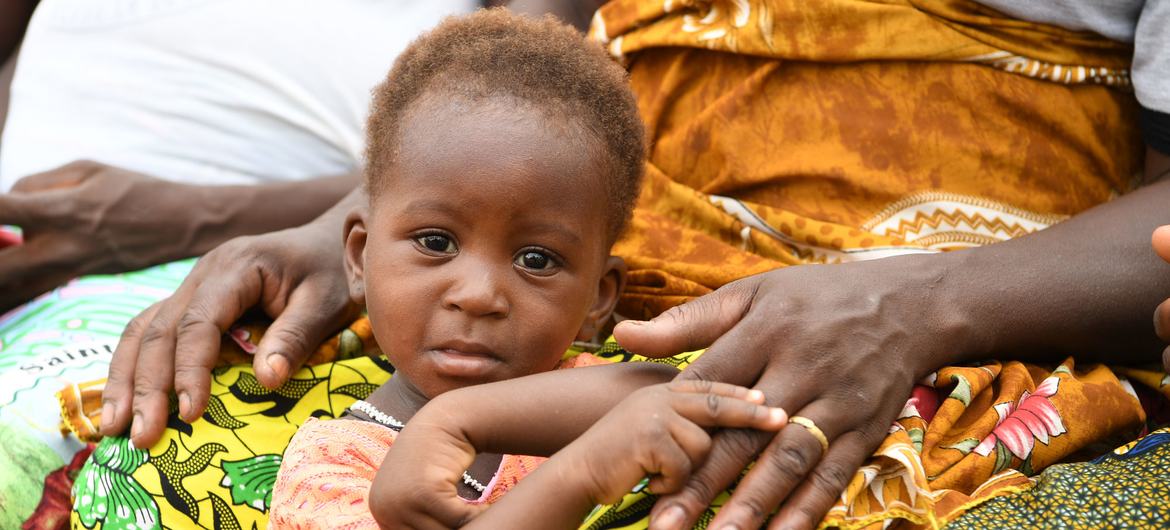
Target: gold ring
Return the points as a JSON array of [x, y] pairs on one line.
[[813, 430]]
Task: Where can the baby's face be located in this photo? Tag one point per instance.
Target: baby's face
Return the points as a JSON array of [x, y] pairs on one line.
[[485, 254]]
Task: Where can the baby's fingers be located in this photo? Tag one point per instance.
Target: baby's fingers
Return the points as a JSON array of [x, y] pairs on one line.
[[714, 410], [696, 386], [669, 469]]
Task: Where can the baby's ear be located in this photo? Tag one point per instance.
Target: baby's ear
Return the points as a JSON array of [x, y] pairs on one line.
[[355, 252], [609, 289]]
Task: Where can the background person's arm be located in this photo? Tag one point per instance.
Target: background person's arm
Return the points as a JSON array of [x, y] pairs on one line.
[[86, 218], [14, 17]]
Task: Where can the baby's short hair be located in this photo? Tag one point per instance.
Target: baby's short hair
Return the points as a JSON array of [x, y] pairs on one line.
[[542, 62]]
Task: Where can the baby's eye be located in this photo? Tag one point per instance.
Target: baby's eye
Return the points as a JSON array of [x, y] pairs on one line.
[[437, 243], [535, 260]]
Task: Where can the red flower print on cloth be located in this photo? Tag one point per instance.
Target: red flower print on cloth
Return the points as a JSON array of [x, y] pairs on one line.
[[1020, 424]]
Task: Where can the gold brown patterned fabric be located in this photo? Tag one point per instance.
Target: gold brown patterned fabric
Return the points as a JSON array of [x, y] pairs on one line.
[[789, 132], [786, 132]]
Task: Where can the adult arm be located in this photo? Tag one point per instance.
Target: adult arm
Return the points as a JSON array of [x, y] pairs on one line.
[[843, 344], [14, 17], [293, 275], [87, 217]]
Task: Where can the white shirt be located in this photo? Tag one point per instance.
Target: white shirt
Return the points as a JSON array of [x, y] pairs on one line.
[[205, 91], [1145, 23]]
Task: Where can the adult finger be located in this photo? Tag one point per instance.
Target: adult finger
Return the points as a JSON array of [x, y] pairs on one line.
[[1162, 320], [211, 309], [1161, 241], [690, 326], [66, 176], [816, 495], [35, 267], [731, 451], [116, 396], [27, 210], [297, 331], [154, 375], [781, 468]]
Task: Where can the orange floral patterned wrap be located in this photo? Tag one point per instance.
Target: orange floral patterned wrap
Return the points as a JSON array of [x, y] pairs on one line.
[[786, 132]]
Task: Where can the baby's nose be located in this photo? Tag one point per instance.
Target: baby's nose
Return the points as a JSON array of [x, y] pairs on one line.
[[478, 291]]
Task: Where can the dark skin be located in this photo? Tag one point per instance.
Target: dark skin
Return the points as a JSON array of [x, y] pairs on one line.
[[1161, 242], [861, 333], [659, 428], [1158, 165], [459, 298], [172, 345], [92, 218], [14, 17]]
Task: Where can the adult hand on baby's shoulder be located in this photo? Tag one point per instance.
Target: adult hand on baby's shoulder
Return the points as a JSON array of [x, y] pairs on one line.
[[840, 345], [85, 218], [1161, 242], [172, 346]]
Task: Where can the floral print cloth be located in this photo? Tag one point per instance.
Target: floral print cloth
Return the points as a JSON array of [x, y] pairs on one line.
[[327, 470], [967, 435], [1126, 488]]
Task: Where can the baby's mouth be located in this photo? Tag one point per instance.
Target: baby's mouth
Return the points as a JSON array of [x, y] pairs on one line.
[[463, 360]]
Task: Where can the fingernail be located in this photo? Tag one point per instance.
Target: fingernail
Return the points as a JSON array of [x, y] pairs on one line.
[[670, 518], [108, 411], [136, 426], [184, 406], [634, 322], [755, 395], [777, 415], [278, 364]]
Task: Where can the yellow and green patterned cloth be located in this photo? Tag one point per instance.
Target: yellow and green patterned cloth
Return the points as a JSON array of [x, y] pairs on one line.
[[968, 436]]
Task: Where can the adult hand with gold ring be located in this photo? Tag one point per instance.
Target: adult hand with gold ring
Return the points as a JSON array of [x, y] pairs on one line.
[[815, 431], [839, 346]]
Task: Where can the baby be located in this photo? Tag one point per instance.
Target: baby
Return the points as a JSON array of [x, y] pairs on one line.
[[504, 156]]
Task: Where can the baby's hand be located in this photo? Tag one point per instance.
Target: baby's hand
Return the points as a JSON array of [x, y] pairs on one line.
[[416, 487], [659, 432]]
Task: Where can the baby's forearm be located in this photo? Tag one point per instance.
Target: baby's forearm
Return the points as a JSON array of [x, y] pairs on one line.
[[548, 498], [539, 414]]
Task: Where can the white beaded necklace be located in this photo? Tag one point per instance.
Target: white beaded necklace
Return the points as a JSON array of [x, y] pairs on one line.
[[390, 421]]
